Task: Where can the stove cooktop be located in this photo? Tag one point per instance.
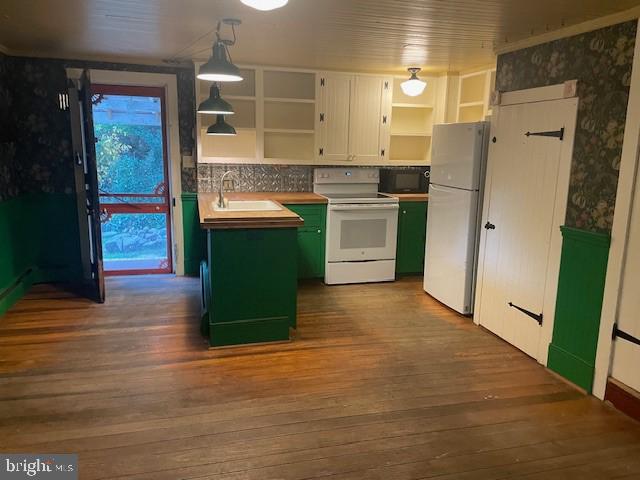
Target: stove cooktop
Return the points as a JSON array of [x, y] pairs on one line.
[[373, 197]]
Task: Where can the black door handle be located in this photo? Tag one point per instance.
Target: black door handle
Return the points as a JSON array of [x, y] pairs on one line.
[[489, 226]]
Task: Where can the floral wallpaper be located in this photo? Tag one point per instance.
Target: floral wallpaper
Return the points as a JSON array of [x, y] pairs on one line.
[[35, 134], [9, 185], [601, 61]]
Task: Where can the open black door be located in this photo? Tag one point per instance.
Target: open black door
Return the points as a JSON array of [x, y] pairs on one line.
[[86, 180]]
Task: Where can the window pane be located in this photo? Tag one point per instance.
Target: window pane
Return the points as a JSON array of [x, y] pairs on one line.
[[135, 242], [129, 143]]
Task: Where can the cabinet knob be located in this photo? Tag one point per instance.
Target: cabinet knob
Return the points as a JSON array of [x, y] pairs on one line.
[[404, 211], [319, 231]]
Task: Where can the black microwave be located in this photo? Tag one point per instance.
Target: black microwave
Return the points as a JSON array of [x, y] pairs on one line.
[[404, 180]]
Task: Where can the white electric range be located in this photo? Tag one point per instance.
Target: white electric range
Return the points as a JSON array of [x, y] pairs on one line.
[[362, 226]]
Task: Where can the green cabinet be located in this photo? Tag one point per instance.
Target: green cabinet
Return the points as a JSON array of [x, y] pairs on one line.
[[251, 296], [311, 239], [412, 229], [195, 238]]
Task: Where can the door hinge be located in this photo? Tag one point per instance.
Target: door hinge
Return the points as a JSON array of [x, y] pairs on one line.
[[384, 119], [322, 82], [382, 152], [173, 201], [489, 226], [322, 117], [559, 134], [617, 333], [537, 317], [321, 152], [386, 85]]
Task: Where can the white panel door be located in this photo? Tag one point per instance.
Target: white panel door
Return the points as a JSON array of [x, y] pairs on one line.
[[521, 188], [366, 118], [333, 119], [450, 246], [456, 154], [625, 366]]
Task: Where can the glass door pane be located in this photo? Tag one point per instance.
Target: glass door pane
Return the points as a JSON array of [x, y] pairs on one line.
[[131, 151]]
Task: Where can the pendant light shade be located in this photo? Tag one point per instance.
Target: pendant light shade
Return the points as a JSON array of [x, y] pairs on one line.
[[265, 4], [219, 68], [414, 86], [214, 104], [221, 128]]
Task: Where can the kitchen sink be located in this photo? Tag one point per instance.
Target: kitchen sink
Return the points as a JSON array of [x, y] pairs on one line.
[[248, 206]]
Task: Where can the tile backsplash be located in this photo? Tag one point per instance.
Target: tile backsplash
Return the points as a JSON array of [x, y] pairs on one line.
[[260, 178]]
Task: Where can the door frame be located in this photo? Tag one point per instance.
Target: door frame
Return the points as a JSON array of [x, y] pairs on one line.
[[628, 187], [563, 91], [169, 83]]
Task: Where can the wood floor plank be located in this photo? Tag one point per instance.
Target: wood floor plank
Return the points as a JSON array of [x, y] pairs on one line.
[[380, 382]]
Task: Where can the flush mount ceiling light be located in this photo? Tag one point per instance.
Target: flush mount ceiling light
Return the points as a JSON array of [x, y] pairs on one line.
[[219, 68], [221, 128], [265, 5], [214, 104], [414, 86]]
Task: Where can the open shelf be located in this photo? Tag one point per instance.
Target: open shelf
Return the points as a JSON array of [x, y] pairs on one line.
[[295, 86], [411, 121], [288, 100], [242, 145], [410, 148], [472, 88], [411, 105], [289, 116], [289, 130], [289, 146], [245, 116], [473, 113]]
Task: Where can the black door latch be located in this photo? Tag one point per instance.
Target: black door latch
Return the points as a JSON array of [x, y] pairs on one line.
[[489, 226], [537, 317]]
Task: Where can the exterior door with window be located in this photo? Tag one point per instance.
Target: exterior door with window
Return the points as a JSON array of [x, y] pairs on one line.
[[132, 170]]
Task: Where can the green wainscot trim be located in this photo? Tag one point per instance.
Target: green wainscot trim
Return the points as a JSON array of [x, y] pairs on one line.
[[40, 243], [253, 285], [583, 268], [195, 238]]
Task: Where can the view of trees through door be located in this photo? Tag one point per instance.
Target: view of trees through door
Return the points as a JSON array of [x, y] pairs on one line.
[[131, 152]]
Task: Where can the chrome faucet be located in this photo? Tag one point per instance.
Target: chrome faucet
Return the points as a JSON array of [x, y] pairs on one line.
[[221, 192]]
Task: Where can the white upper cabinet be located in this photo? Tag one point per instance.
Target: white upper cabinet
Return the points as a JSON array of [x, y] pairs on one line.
[[334, 93], [354, 117]]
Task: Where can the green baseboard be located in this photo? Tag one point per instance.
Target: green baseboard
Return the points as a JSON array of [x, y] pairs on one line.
[[574, 369], [11, 294], [257, 330]]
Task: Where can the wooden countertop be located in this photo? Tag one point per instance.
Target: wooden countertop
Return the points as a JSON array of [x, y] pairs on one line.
[[411, 197], [213, 219]]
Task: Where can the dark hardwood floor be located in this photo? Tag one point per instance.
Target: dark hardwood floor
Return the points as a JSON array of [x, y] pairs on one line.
[[381, 383]]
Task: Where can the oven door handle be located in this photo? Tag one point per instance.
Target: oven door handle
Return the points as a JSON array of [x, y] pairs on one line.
[[359, 208]]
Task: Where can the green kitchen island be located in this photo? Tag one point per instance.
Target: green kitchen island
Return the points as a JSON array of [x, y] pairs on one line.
[[249, 280]]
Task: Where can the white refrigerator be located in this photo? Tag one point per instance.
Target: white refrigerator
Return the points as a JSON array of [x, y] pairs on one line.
[[458, 165]]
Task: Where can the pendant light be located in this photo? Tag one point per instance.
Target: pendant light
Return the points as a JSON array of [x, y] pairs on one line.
[[414, 86], [219, 68], [265, 5], [221, 128], [214, 104]]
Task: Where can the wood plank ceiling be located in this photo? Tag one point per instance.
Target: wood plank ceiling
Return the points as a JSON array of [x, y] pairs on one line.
[[367, 35]]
